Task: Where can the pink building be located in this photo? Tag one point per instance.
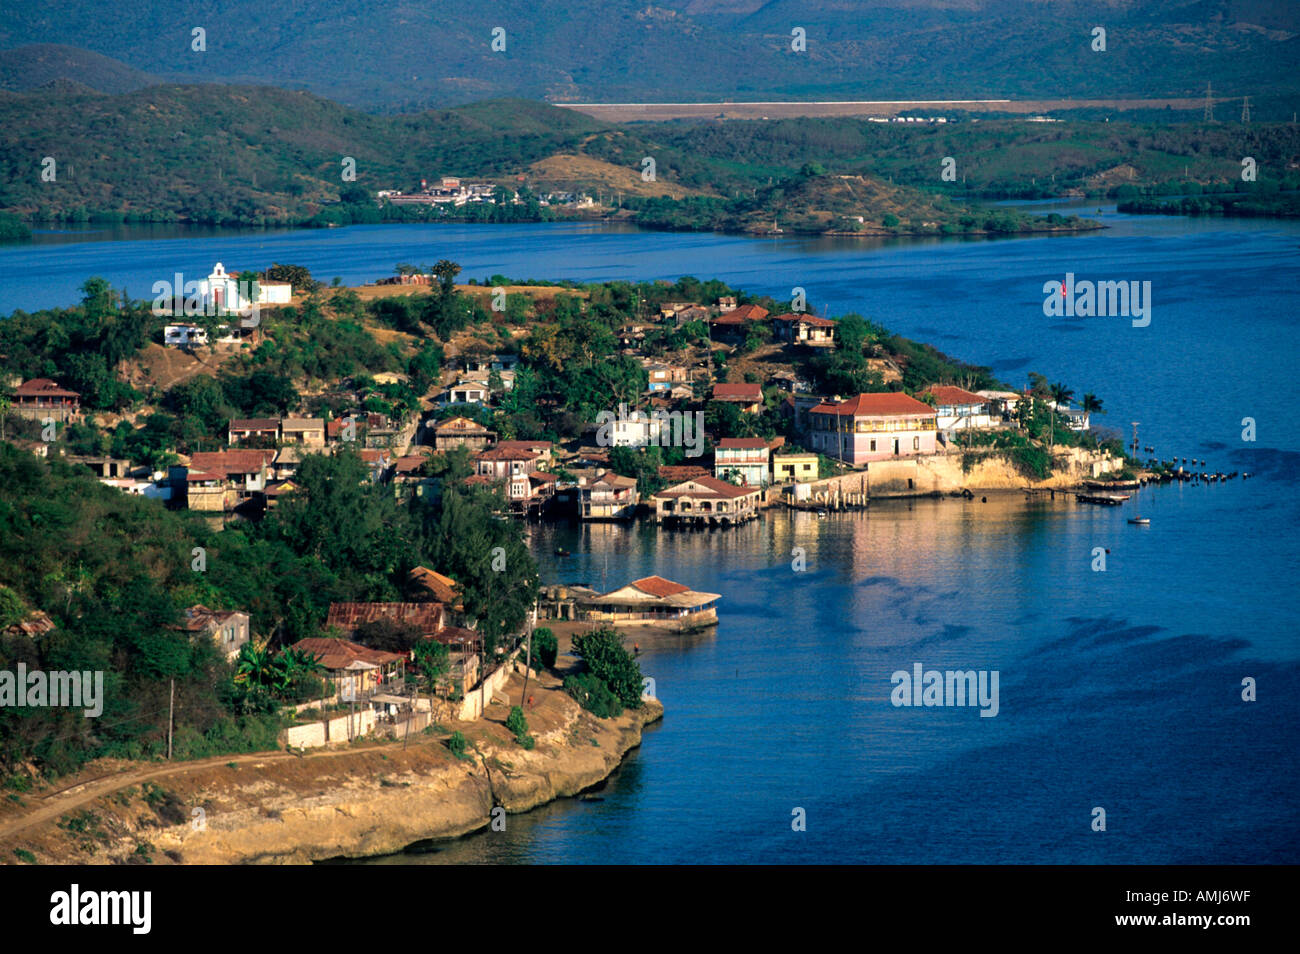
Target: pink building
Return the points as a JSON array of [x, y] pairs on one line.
[[873, 427]]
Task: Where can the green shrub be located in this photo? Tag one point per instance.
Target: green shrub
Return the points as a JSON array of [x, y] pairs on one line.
[[603, 656], [22, 854], [517, 724], [592, 694], [546, 648], [456, 744]]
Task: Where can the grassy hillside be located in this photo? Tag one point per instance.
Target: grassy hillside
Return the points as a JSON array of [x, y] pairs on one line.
[[395, 55], [259, 155]]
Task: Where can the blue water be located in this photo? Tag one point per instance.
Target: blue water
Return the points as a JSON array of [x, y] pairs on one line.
[[1118, 689]]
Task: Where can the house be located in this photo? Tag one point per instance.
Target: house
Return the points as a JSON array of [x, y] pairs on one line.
[[662, 377], [636, 429], [749, 396], [609, 496], [254, 431], [461, 432], [873, 427], [35, 624], [512, 466], [221, 480], [691, 313], [794, 468], [654, 600], [1003, 404], [543, 449], [354, 672], [469, 391], [41, 398], [1075, 419], [744, 458], [230, 629], [498, 463], [804, 329], [303, 430], [958, 408], [727, 304], [676, 473], [734, 324], [427, 617], [286, 461], [706, 501]]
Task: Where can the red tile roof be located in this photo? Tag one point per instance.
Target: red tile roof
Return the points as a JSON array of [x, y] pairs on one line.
[[505, 453], [536, 447], [814, 320], [742, 443], [949, 395], [738, 316], [227, 462], [658, 586], [680, 472], [339, 653], [348, 616], [255, 424], [743, 391], [42, 387], [883, 404], [712, 488]]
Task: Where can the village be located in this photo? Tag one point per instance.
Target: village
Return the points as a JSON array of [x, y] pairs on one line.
[[717, 470]]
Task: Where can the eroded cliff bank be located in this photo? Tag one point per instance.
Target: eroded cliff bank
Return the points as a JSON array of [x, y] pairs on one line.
[[370, 799]]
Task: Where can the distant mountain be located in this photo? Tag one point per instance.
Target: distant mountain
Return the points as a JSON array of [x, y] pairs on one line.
[[63, 67], [395, 55], [261, 155]]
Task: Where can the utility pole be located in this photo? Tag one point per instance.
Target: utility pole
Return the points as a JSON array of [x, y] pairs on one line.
[[528, 669], [1245, 109], [171, 708], [1135, 438], [1209, 104]]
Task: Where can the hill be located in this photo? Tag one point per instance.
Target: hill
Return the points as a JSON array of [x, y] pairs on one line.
[[40, 64], [398, 56]]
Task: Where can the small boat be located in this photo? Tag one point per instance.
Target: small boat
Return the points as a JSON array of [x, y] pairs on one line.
[[561, 552], [1142, 521], [821, 512]]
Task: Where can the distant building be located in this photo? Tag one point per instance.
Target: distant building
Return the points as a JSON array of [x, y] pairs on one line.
[[802, 329], [794, 468], [653, 600], [265, 430], [959, 409], [746, 457], [230, 629], [873, 427], [42, 398], [706, 501], [461, 432], [608, 496], [303, 430], [749, 396], [734, 324]]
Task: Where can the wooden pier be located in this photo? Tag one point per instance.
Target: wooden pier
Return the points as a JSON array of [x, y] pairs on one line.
[[1107, 500]]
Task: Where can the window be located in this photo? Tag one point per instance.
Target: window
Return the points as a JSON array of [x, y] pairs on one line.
[[916, 443], [873, 445]]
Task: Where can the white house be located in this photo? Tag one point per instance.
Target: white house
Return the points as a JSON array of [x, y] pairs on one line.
[[959, 409], [222, 291]]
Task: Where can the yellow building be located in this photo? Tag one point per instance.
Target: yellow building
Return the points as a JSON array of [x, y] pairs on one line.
[[787, 468]]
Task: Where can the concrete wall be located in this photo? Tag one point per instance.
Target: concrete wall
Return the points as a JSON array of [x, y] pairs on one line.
[[471, 707], [943, 473], [313, 735]]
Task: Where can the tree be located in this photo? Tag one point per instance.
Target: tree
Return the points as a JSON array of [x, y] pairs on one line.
[[445, 271], [546, 648], [1092, 403], [1061, 395], [604, 657]]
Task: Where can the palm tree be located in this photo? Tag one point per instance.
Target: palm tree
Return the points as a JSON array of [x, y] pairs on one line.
[[1062, 395], [1092, 404]]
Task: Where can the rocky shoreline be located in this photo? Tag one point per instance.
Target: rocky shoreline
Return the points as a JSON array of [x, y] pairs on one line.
[[368, 800]]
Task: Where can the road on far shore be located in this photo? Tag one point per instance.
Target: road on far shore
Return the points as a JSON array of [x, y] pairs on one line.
[[656, 112]]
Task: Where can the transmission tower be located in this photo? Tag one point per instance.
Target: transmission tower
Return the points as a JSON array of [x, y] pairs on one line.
[[1209, 104], [1245, 109]]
